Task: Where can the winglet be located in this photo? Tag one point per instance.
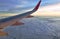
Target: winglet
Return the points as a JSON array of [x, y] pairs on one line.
[[37, 5]]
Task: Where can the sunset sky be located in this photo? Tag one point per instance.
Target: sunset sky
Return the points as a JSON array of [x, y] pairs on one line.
[[50, 10], [12, 7]]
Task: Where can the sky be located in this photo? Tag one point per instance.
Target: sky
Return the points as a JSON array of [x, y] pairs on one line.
[[19, 6]]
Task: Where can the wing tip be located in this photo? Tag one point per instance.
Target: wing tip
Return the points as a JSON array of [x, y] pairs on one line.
[[37, 6]]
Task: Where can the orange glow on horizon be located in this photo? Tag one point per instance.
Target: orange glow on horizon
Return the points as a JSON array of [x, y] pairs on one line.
[[51, 10]]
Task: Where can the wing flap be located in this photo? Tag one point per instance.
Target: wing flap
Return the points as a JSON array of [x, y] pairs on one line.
[[3, 33], [18, 23], [30, 16]]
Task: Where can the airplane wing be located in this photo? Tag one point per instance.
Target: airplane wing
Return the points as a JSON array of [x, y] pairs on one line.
[[14, 20]]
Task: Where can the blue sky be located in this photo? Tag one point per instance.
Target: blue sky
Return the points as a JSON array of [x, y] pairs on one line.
[[14, 6]]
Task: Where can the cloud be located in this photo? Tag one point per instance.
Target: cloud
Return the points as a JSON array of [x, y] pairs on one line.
[[55, 7], [50, 10], [14, 6], [49, 2]]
